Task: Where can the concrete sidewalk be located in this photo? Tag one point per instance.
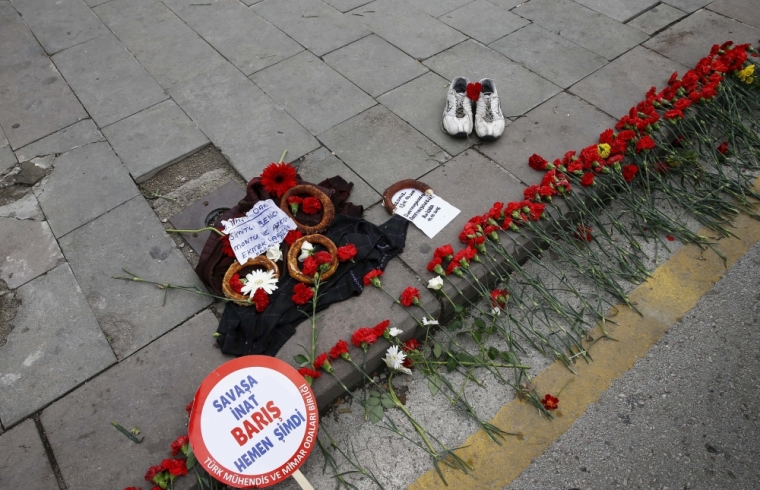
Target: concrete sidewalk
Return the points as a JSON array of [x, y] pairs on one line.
[[103, 95]]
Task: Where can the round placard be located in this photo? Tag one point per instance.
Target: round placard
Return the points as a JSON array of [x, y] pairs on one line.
[[254, 422]]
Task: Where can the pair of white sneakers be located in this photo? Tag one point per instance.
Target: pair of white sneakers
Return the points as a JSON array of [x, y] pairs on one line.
[[458, 119]]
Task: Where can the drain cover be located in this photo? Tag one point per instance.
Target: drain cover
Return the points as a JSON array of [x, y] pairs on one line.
[[204, 211]]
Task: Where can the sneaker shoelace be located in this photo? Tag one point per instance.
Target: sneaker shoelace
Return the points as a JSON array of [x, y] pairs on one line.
[[460, 106], [488, 117]]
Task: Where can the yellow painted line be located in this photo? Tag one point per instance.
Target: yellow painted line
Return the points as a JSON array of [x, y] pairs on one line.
[[673, 290]]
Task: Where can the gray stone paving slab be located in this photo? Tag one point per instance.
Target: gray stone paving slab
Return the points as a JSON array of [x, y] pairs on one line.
[[346, 5], [620, 10], [322, 164], [507, 4], [85, 183], [691, 39], [55, 345], [437, 8], [382, 148], [745, 11], [519, 89], [553, 57], [108, 80], [657, 18], [483, 21], [313, 93], [374, 65], [317, 26], [27, 249], [687, 5], [155, 138], [623, 83], [421, 103], [148, 390], [560, 124], [131, 236], [407, 28], [592, 30], [25, 208], [366, 310], [240, 119], [78, 134], [34, 99], [3, 139], [60, 24], [170, 50], [24, 463], [246, 39], [470, 182], [7, 158]]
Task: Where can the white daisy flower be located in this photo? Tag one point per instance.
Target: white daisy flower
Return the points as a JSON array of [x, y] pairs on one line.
[[259, 279], [435, 283], [274, 254], [395, 332], [426, 322], [306, 251], [405, 370], [394, 358]]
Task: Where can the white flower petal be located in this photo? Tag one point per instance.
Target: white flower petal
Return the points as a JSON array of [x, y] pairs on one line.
[[274, 253], [432, 321], [405, 370], [395, 332], [306, 250], [435, 283], [259, 279], [496, 311], [394, 358]]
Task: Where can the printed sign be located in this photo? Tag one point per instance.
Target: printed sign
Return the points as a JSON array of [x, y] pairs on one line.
[[429, 213], [254, 422], [262, 228]]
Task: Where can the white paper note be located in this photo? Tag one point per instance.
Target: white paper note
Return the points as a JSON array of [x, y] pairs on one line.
[[263, 227], [429, 213]]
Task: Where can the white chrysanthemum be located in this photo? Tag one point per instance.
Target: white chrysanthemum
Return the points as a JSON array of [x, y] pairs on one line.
[[306, 251], [394, 358], [274, 254], [426, 322], [259, 279], [395, 332], [435, 283], [405, 370]]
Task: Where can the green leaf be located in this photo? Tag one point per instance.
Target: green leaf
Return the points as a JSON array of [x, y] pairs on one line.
[[451, 364], [387, 402], [477, 336], [376, 414], [455, 325], [373, 401], [492, 353], [374, 393], [458, 309], [434, 384], [465, 357], [437, 350], [479, 323], [191, 460], [301, 359]]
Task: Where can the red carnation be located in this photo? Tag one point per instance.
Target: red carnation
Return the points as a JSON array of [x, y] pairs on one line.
[[381, 327], [537, 162], [311, 205], [340, 349], [723, 148], [607, 136], [411, 344], [322, 257], [261, 300], [320, 360], [443, 251], [176, 467], [674, 114], [583, 233], [189, 407], [550, 402], [532, 193], [410, 296], [499, 298], [372, 277], [292, 236], [277, 178], [178, 443], [152, 472], [670, 238], [309, 266], [473, 90], [645, 143], [347, 252], [235, 284], [436, 262], [364, 337], [629, 172], [302, 294], [682, 104], [587, 179], [304, 371], [226, 247], [295, 200]]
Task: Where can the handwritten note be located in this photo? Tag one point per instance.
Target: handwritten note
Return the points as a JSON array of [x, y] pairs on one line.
[[429, 213], [263, 227]]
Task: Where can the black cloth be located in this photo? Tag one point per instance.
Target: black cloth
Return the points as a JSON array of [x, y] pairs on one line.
[[244, 331]]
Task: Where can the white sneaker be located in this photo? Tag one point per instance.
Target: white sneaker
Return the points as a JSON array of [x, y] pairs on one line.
[[489, 121], [457, 116]]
